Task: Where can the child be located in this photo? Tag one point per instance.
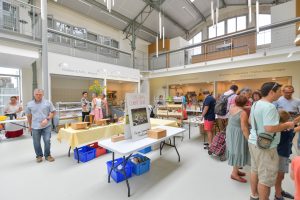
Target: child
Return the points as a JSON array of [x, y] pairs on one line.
[[295, 171], [284, 150]]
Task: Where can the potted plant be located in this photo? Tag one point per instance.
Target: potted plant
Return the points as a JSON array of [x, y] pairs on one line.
[[97, 88]]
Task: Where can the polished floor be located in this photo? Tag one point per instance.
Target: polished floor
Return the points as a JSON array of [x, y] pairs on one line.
[[197, 176]]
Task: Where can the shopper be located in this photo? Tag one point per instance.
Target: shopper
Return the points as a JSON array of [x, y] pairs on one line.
[[209, 115], [264, 162], [284, 150], [39, 113], [85, 105], [289, 103], [184, 102], [246, 92], [285, 103], [92, 111], [237, 134], [12, 108], [104, 105], [295, 171], [256, 96], [97, 101], [229, 95]]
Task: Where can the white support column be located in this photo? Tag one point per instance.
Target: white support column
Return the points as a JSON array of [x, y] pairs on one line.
[[45, 74]]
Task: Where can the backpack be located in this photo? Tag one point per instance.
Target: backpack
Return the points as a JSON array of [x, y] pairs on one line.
[[221, 105]]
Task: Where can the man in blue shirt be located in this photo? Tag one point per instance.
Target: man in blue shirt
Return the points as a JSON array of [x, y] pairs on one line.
[[209, 115], [264, 162], [39, 113], [291, 105]]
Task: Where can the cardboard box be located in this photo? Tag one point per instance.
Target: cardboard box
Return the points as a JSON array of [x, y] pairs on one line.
[[79, 125], [101, 122], [117, 138], [157, 133]]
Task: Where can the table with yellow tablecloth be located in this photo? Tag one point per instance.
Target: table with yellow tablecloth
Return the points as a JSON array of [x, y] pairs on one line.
[[77, 138]]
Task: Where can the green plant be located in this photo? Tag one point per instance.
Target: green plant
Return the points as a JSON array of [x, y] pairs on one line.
[[96, 88]]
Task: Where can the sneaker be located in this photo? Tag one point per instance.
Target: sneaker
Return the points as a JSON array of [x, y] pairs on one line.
[[287, 195], [278, 198], [39, 159], [50, 158], [254, 198]]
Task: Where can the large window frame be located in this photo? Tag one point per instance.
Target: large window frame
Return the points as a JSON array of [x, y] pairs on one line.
[[264, 37], [196, 39]]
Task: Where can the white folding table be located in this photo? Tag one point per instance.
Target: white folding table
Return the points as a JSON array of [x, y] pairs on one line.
[[127, 147]]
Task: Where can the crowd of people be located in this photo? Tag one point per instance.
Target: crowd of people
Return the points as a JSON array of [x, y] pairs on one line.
[[260, 127]]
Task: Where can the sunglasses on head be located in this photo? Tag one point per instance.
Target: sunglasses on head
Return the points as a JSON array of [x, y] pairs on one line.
[[274, 86]]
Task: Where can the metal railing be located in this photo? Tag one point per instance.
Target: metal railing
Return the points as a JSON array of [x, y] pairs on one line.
[[267, 40], [20, 18], [68, 44]]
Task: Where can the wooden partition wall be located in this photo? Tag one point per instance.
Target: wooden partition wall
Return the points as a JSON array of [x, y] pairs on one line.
[[237, 46]]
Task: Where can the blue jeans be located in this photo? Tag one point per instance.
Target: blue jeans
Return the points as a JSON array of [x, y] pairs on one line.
[[36, 135]]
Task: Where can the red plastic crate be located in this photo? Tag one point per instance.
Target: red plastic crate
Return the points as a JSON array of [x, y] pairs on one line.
[[99, 150]]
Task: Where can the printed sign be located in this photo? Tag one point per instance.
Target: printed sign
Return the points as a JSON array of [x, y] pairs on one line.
[[137, 113]]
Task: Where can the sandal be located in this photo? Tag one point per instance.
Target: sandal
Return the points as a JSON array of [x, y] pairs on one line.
[[239, 179], [241, 173]]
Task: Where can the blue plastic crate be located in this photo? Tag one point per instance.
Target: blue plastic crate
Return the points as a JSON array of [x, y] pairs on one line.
[[146, 150], [86, 153], [140, 168], [116, 173]]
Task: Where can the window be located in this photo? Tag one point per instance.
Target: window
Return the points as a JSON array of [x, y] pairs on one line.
[[196, 39], [65, 28], [92, 37], [79, 32], [264, 37], [221, 28], [236, 24], [241, 23], [211, 32], [217, 30], [231, 25], [9, 85]]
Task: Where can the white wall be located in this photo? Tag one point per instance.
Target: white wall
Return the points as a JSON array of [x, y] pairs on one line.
[[283, 36], [178, 57]]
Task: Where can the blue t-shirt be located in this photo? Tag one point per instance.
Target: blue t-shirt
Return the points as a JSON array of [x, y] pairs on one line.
[[284, 147], [39, 111], [265, 114], [210, 102]]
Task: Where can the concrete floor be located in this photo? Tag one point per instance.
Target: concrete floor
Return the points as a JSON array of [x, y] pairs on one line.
[[197, 176]]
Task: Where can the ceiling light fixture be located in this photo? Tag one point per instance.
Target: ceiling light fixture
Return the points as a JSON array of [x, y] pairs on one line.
[[109, 4], [250, 14], [217, 12], [163, 37], [192, 1], [257, 16], [212, 12], [156, 46]]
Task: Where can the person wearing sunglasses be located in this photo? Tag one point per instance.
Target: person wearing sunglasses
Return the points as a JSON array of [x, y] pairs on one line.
[[264, 118]]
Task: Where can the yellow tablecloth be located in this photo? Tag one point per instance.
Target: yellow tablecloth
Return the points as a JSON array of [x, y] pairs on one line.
[[77, 138]]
